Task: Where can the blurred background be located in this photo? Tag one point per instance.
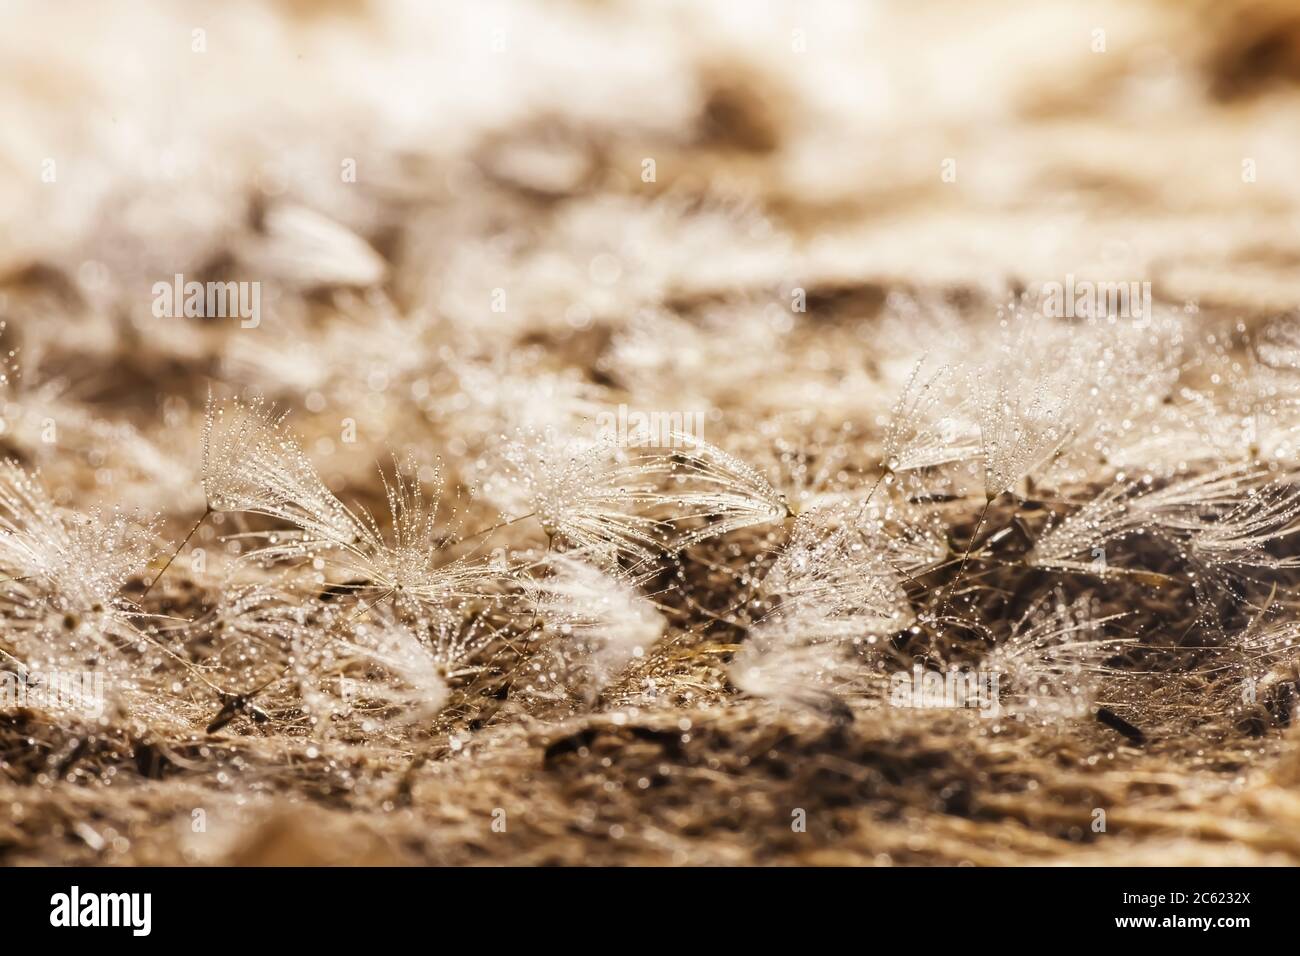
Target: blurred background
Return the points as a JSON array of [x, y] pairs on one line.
[[508, 182]]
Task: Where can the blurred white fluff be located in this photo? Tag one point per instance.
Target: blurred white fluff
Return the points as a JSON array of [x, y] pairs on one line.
[[308, 248], [1272, 635], [1078, 541], [252, 463], [586, 493], [1050, 666], [612, 255], [62, 609], [63, 572], [387, 663], [804, 658], [836, 599], [1223, 522], [364, 335], [909, 540], [494, 397], [338, 665], [250, 634], [931, 423], [631, 503], [1126, 371], [1198, 502], [1277, 346], [831, 570], [1240, 537], [704, 482], [1256, 414], [1016, 400], [593, 624], [1027, 405], [406, 561]]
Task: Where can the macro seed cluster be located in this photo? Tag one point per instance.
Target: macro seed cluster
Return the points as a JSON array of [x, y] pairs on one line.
[[840, 581]]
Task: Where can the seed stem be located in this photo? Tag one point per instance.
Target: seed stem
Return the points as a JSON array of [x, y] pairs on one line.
[[179, 548]]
